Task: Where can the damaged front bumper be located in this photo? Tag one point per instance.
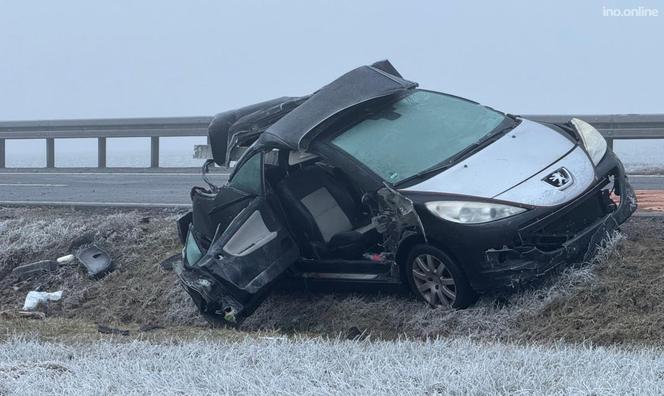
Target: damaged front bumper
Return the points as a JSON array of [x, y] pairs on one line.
[[511, 267]]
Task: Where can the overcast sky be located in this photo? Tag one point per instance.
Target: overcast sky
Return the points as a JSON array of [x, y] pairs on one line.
[[85, 59], [121, 58]]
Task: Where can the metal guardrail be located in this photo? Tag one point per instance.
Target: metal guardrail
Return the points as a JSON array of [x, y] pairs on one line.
[[615, 126], [101, 129]]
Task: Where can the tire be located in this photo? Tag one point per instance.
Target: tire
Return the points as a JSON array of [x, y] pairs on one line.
[[435, 278]]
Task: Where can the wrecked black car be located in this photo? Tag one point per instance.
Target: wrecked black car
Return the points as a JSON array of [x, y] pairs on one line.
[[372, 180]]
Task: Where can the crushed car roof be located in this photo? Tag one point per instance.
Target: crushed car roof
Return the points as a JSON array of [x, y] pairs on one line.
[[291, 122], [296, 129]]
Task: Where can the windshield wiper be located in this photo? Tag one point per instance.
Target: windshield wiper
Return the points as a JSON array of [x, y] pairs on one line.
[[497, 133], [466, 152], [419, 175], [486, 140]]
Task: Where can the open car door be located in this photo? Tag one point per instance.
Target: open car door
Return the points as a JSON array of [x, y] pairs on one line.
[[244, 258]]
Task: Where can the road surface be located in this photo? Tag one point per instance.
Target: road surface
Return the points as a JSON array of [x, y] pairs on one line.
[[101, 188], [135, 187]]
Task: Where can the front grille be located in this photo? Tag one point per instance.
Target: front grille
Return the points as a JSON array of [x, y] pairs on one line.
[[561, 229]]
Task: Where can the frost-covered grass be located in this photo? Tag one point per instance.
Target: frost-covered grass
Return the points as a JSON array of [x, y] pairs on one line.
[[137, 291], [396, 315], [318, 366], [23, 233], [613, 300]]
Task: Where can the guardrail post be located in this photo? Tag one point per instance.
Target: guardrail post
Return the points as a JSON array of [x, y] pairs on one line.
[[2, 153], [101, 152], [50, 152], [609, 142], [154, 152]]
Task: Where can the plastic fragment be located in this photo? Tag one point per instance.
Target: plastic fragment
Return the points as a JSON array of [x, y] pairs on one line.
[[66, 259], [35, 298], [95, 260]]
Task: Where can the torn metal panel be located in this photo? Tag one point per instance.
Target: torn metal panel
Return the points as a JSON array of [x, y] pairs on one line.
[[241, 127], [397, 219], [520, 264]]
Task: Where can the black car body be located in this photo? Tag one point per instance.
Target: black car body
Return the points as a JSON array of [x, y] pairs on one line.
[[370, 179]]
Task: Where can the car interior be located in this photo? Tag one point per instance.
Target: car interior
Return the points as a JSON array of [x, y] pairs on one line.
[[322, 208]]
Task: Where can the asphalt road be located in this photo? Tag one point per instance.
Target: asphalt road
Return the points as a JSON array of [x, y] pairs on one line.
[[135, 188], [101, 189]]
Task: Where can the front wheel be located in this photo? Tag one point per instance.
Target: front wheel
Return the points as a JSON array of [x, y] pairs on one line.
[[434, 277]]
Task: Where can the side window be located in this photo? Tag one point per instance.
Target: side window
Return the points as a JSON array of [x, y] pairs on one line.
[[249, 177]]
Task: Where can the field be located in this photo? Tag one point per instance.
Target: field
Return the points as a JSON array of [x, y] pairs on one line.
[[590, 329]]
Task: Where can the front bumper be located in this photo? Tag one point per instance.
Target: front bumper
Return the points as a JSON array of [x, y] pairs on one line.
[[509, 252], [512, 267]]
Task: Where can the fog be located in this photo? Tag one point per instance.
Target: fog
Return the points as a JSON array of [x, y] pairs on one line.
[[81, 59]]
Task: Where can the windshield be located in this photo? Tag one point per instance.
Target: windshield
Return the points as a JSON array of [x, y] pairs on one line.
[[416, 133]]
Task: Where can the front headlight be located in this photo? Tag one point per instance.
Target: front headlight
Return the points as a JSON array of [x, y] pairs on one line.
[[468, 212], [593, 141]]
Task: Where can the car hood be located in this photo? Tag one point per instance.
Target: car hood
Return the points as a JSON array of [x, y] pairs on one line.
[[513, 168]]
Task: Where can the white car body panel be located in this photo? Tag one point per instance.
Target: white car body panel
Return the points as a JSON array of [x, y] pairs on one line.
[[535, 191], [512, 169]]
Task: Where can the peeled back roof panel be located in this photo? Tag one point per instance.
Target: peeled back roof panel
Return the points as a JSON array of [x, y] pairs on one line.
[[355, 87]]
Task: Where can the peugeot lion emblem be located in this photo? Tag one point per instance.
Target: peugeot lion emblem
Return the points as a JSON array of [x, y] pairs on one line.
[[561, 178]]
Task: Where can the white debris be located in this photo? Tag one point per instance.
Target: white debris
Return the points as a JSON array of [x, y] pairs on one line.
[[35, 298], [66, 259]]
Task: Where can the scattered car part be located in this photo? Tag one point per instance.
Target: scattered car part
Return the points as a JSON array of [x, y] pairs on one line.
[[26, 271], [36, 298], [96, 261], [66, 259]]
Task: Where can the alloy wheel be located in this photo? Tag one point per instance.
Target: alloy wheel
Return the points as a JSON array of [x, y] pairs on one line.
[[433, 280]]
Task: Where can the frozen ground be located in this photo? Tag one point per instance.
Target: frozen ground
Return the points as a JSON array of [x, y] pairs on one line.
[[618, 300], [608, 314], [325, 367]]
